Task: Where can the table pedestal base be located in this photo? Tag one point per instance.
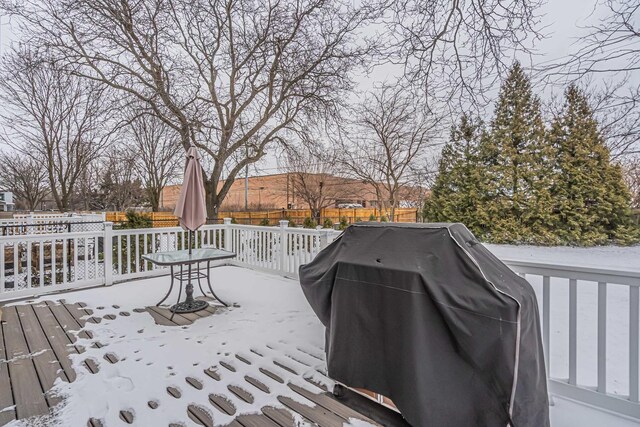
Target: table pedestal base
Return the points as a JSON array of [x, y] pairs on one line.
[[189, 306]]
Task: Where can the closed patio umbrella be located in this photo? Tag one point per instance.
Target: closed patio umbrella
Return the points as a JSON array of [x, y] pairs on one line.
[[191, 209]]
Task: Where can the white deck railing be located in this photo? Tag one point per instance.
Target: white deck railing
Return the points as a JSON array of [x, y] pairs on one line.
[[590, 316]]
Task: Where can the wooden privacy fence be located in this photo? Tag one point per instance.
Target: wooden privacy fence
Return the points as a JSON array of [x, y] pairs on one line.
[[167, 219], [159, 219]]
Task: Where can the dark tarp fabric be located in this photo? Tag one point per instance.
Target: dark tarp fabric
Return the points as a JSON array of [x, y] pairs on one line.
[[427, 316]]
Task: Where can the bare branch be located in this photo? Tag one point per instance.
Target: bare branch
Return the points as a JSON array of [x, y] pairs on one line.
[[458, 49], [228, 76]]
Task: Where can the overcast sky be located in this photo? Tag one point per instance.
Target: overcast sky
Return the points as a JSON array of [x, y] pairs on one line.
[[562, 19]]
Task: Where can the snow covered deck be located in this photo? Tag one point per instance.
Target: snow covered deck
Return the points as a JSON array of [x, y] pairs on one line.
[[100, 358]]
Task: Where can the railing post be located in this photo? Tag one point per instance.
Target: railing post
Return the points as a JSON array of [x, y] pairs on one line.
[[227, 234], [284, 224], [30, 224], [2, 267], [107, 250], [324, 238]]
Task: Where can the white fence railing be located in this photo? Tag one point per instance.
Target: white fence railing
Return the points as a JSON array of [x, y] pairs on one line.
[[41, 263], [590, 316], [23, 224]]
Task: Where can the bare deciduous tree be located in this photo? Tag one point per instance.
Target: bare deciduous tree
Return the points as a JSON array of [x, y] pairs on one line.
[[388, 141], [228, 76], [632, 178], [53, 118], [25, 178], [119, 186], [312, 174], [611, 45], [617, 108], [611, 49], [459, 48], [155, 152]]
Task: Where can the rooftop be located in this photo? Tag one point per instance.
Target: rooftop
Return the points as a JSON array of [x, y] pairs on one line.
[[105, 355]]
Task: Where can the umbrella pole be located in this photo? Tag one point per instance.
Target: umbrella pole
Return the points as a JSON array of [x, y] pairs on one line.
[[190, 304]]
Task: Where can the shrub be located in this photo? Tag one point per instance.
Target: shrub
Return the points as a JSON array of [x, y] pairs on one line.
[[372, 217], [384, 218], [134, 220], [264, 221], [344, 223], [234, 220], [137, 220], [309, 223], [358, 219], [292, 223], [327, 223]]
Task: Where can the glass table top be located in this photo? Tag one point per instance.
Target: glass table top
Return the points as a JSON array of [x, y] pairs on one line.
[[184, 257]]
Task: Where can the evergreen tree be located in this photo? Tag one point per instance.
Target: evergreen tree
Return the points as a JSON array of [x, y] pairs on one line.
[[458, 190], [518, 198], [592, 201]]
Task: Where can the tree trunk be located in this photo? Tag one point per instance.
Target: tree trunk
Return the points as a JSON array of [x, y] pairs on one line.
[[154, 195], [212, 199]]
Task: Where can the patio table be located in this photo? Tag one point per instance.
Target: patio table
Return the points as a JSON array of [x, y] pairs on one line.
[[188, 258]]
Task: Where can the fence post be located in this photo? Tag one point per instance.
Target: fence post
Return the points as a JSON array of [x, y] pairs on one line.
[[107, 250], [227, 234], [284, 224]]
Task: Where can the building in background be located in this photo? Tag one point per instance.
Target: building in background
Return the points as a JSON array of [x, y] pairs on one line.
[[6, 201], [283, 191]]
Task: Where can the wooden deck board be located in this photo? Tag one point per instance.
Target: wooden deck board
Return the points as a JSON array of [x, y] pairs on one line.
[[58, 338], [6, 396], [66, 320], [316, 414], [280, 416], [254, 421], [331, 404], [178, 319], [28, 395], [47, 366], [69, 323], [78, 312]]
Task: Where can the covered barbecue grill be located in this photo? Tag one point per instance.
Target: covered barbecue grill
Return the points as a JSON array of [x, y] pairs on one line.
[[427, 316]]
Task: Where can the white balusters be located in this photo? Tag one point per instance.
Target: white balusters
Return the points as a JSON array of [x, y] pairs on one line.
[[573, 331], [602, 337], [634, 340]]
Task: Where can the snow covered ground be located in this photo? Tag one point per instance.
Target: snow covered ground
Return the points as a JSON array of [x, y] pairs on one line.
[[610, 257], [273, 316]]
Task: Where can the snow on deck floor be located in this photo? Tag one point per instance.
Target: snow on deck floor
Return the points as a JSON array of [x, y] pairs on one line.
[[272, 311]]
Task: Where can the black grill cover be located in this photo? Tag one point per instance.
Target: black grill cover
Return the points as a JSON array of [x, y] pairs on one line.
[[427, 316]]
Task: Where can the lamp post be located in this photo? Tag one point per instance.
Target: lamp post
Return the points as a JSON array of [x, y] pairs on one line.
[[260, 197]]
